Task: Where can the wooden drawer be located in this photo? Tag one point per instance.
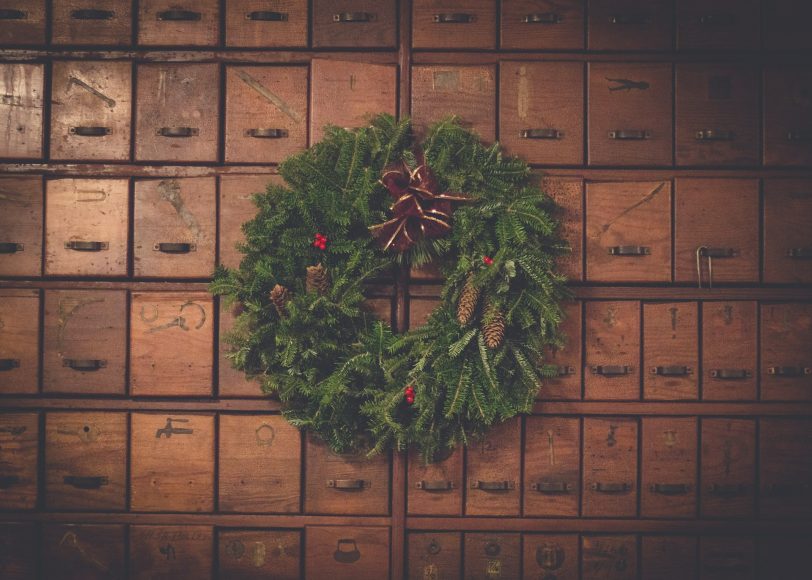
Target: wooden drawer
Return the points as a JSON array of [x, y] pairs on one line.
[[717, 218], [786, 24], [468, 91], [785, 468], [550, 556], [568, 194], [669, 557], [96, 22], [178, 23], [669, 467], [493, 472], [260, 459], [345, 484], [718, 24], [263, 24], [536, 123], [787, 116], [175, 227], [552, 466], [171, 552], [717, 114], [492, 556], [610, 467], [435, 488], [567, 385], [232, 382], [729, 351], [434, 555], [171, 344], [86, 227], [787, 235], [177, 112], [86, 461], [454, 24], [612, 357], [543, 24], [172, 463], [22, 22], [347, 94], [90, 112], [354, 23], [727, 557], [21, 226], [256, 554], [605, 557], [728, 475], [670, 351], [19, 452], [266, 113], [784, 556], [630, 24], [628, 231], [19, 341], [83, 552], [630, 114], [21, 110], [420, 308], [346, 553], [85, 342], [237, 207], [18, 551], [786, 357]]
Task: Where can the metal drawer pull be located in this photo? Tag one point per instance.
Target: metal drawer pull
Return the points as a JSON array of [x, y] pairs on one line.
[[629, 251], [85, 365], [348, 484], [611, 370], [542, 18], [178, 15], [670, 488], [353, 17], [564, 370], [92, 14], [80, 246], [542, 134], [630, 19], [439, 485], [672, 371], [714, 135], [456, 18], [9, 364], [266, 133], [707, 252], [789, 371], [174, 247], [267, 16], [11, 14], [552, 487], [11, 247], [727, 489], [717, 19], [800, 253], [6, 481], [799, 135], [730, 374], [493, 485], [630, 134], [90, 131], [86, 482], [178, 131], [611, 487]]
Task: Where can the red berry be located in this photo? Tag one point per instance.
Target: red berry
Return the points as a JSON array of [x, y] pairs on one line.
[[410, 400], [487, 260], [322, 246]]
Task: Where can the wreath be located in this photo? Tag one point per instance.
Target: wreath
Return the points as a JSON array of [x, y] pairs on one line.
[[356, 207]]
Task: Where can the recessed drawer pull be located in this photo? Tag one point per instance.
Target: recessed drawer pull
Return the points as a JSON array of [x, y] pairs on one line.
[[11, 247], [178, 132], [730, 374], [349, 17], [90, 131], [638, 19], [800, 253], [789, 371], [714, 135], [672, 371], [707, 252], [86, 482], [11, 14], [92, 14], [630, 134], [7, 481], [787, 489], [601, 487], [267, 16], [438, 485], [541, 134], [178, 15], [564, 370], [492, 485], [727, 489], [9, 364], [84, 365], [266, 133], [611, 370], [632, 251], [552, 487], [670, 488], [717, 19], [174, 247], [455, 18], [799, 135], [348, 484], [79, 246], [542, 18]]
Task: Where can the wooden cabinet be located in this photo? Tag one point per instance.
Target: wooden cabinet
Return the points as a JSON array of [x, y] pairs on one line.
[[670, 350], [19, 341], [178, 23], [552, 466], [612, 351], [354, 23], [542, 24], [83, 552], [21, 87], [718, 24], [435, 488], [567, 358], [787, 235], [263, 24], [492, 556], [22, 22], [171, 552], [787, 115], [548, 556], [92, 22], [630, 24], [729, 350], [346, 553], [669, 467], [493, 472], [786, 357], [257, 554], [19, 456], [728, 472], [21, 226], [434, 555], [669, 557], [454, 24], [609, 557], [610, 467]]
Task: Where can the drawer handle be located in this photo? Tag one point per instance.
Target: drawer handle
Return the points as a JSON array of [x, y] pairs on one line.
[[178, 132], [670, 488], [455, 18], [601, 487], [787, 489], [564, 370], [542, 18], [349, 17], [267, 16], [800, 253], [9, 364], [789, 371], [630, 251], [348, 484], [715, 135], [730, 374], [542, 134], [492, 485], [178, 16], [638, 19], [799, 135], [717, 19], [672, 371], [174, 247], [611, 370], [86, 482], [90, 131], [92, 14], [79, 246], [11, 247], [438, 485], [7, 481], [707, 252], [552, 487], [266, 133], [727, 489], [630, 134], [11, 14], [84, 365], [347, 551]]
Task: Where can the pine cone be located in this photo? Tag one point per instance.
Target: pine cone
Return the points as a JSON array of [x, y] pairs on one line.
[[467, 304], [318, 280], [280, 297], [493, 326]]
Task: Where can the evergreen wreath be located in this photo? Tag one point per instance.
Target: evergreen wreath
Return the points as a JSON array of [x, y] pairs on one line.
[[302, 327]]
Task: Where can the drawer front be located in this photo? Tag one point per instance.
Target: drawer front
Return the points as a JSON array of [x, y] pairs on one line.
[[347, 94], [85, 461], [260, 24], [610, 467], [19, 452], [96, 22], [171, 344], [434, 555], [787, 116], [628, 231], [454, 24], [718, 24], [717, 219], [539, 124], [567, 358], [717, 115], [728, 476], [266, 113], [786, 357], [785, 468], [543, 24], [786, 24], [21, 110], [19, 341], [469, 91], [729, 351], [552, 466], [85, 342], [420, 308], [345, 484], [172, 462], [605, 557], [83, 552], [630, 114], [493, 473], [568, 193], [787, 234], [175, 227], [18, 551], [24, 23], [236, 208], [346, 553], [669, 467], [178, 23], [260, 464], [630, 24], [669, 557], [86, 227], [177, 112], [21, 226], [354, 23], [256, 554], [435, 488], [612, 357], [171, 552], [492, 556], [232, 382], [90, 113], [670, 351], [723, 557], [551, 556]]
